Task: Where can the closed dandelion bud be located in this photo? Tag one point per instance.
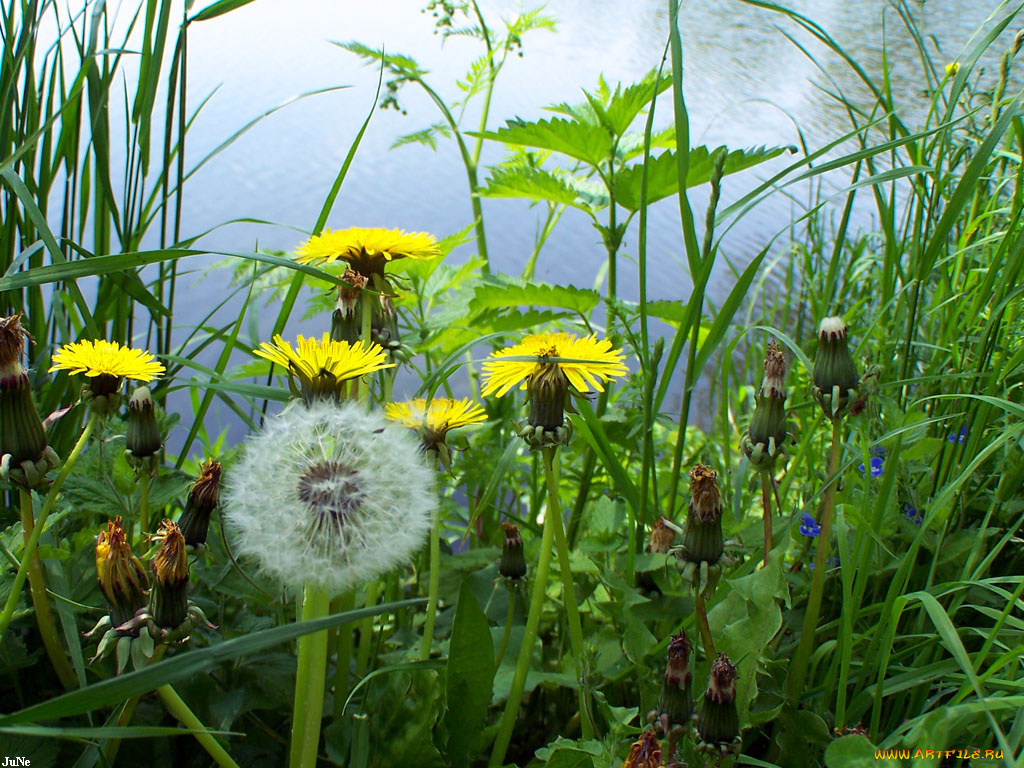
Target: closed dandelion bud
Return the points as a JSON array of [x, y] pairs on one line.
[[835, 374], [202, 500], [120, 574], [384, 330], [719, 724], [764, 439], [702, 539], [143, 438], [548, 388], [675, 704], [26, 455], [513, 562], [345, 320], [168, 600], [645, 752], [659, 542]]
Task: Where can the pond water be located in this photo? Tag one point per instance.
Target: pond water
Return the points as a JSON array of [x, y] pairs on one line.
[[746, 85]]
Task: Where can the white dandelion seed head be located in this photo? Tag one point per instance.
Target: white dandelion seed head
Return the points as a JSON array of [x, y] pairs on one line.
[[832, 328], [329, 494]]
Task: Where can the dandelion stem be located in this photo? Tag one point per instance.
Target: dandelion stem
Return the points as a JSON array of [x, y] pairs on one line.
[[37, 588], [144, 502], [434, 585], [309, 682], [515, 694], [343, 653], [33, 540], [704, 626], [798, 669], [366, 630], [112, 746], [177, 707], [551, 467], [509, 617], [766, 504]]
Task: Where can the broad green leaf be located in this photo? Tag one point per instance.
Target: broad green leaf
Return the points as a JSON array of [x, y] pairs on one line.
[[496, 295], [469, 678], [851, 751], [184, 665], [532, 184], [662, 179], [625, 104], [589, 143]]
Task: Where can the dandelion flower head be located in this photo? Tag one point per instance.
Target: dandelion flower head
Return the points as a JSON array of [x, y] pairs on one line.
[[329, 494], [367, 251], [586, 362], [106, 358], [321, 366], [437, 416]]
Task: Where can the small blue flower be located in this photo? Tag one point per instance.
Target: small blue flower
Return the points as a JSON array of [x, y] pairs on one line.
[[830, 562], [961, 438], [877, 466], [810, 527], [911, 513]]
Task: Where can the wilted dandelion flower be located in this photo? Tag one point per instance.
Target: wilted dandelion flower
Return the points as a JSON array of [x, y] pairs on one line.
[[367, 251], [322, 367], [580, 365], [105, 365], [645, 752], [329, 495]]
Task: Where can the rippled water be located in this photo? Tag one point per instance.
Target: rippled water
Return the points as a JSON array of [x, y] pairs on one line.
[[746, 84]]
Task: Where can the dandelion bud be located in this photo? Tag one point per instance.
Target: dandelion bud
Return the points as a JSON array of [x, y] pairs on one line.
[[384, 330], [202, 500], [548, 388], [143, 439], [718, 725], [168, 600], [513, 562], [345, 320], [835, 375], [120, 574], [675, 704], [703, 540], [659, 542], [767, 433], [645, 752], [26, 455]]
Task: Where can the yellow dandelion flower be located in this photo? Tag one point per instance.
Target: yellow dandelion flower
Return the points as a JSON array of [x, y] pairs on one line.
[[586, 362], [952, 68], [437, 417], [321, 366], [106, 358], [367, 251]]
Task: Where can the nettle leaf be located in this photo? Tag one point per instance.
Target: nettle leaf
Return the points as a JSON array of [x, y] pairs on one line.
[[586, 142], [396, 62], [427, 136], [533, 184], [499, 295], [626, 103], [662, 179], [469, 678]]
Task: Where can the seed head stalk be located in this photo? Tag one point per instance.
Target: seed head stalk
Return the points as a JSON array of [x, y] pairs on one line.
[[434, 585], [33, 540], [309, 681], [177, 707], [798, 670]]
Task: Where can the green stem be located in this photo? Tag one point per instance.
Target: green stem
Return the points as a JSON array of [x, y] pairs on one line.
[[33, 540], [366, 631], [515, 694], [177, 707], [37, 588], [309, 682], [509, 617], [112, 746], [343, 654], [798, 670], [144, 502], [766, 511], [434, 585], [705, 628], [551, 467]]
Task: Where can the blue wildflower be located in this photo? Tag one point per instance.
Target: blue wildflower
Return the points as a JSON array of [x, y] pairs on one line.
[[877, 466], [958, 438], [830, 562], [810, 527], [911, 513]]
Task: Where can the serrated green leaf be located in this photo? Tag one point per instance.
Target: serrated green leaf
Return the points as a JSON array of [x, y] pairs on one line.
[[532, 184], [589, 143], [625, 104], [469, 678], [662, 179], [500, 295], [851, 751]]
